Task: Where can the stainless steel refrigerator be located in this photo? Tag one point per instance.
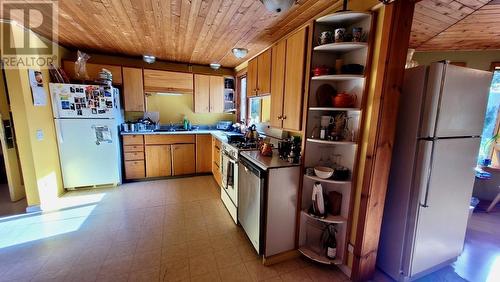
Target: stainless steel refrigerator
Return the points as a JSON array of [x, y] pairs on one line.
[[440, 121]]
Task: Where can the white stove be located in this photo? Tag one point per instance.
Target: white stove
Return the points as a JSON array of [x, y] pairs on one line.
[[229, 166]]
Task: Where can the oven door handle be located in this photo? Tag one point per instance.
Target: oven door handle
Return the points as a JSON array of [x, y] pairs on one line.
[[229, 158]]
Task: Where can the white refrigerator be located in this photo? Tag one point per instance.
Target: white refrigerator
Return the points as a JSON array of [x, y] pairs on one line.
[[87, 119], [440, 121]]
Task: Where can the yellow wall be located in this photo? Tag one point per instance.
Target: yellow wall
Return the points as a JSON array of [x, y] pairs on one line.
[[39, 158], [173, 109], [474, 59]]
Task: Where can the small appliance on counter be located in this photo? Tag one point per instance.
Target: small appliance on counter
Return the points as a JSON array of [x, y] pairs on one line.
[[289, 149], [225, 125]]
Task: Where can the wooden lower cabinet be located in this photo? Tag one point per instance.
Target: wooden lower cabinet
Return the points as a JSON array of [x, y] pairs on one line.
[[216, 171], [134, 169], [203, 153], [183, 159], [158, 160]]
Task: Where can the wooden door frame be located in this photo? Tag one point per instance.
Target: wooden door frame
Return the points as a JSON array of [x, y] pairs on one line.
[[394, 45]]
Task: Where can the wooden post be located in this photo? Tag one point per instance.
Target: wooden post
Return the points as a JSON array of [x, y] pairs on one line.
[[394, 45]]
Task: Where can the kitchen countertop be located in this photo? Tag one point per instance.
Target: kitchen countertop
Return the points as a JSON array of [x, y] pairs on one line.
[[266, 162], [216, 133]]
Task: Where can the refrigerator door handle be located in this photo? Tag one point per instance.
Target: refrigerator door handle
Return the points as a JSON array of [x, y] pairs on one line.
[[426, 150], [59, 131]]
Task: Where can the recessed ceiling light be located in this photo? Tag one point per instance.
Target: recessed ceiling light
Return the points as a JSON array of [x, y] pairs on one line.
[[149, 59], [215, 66], [240, 53]]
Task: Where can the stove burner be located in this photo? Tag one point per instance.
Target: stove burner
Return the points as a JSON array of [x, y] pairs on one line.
[[244, 145]]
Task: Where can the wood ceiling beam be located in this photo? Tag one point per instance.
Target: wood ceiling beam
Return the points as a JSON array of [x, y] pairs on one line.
[[390, 71]]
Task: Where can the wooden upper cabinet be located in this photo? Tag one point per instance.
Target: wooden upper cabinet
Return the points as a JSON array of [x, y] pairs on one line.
[[203, 153], [133, 90], [277, 83], [264, 73], [216, 94], [183, 159], [93, 71], [294, 80], [168, 81], [252, 78], [201, 93], [259, 75], [158, 160]]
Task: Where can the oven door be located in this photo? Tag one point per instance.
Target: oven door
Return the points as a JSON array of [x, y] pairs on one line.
[[230, 169]]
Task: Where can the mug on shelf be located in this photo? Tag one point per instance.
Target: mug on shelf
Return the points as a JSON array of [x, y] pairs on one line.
[[339, 35]]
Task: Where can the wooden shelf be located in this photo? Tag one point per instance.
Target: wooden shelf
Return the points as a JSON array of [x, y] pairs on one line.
[[343, 17], [341, 47], [328, 219], [306, 251], [338, 77], [334, 109], [315, 178], [331, 142]]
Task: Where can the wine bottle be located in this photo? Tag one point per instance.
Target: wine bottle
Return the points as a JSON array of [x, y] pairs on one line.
[[331, 243]]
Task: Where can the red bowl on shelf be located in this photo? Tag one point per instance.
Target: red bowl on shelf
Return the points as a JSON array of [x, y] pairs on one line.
[[322, 70]]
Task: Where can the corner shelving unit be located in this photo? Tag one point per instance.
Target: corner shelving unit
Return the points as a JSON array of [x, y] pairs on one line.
[[316, 150]]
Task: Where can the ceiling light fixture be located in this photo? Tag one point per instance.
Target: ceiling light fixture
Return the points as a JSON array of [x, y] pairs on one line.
[[240, 53], [149, 59], [278, 5], [215, 66]]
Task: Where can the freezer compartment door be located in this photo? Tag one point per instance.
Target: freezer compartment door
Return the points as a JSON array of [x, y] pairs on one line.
[[444, 202], [83, 101], [88, 151], [455, 102]]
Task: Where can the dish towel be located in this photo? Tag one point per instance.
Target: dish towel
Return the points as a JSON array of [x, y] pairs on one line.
[[230, 174]]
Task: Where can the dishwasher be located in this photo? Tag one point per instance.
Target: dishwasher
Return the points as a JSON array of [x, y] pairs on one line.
[[251, 203]]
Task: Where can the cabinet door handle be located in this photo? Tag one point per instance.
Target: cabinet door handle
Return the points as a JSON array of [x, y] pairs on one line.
[[284, 117], [280, 117]]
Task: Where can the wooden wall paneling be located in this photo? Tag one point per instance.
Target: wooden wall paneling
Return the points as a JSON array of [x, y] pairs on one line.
[[277, 83], [294, 80], [216, 94], [201, 93], [133, 89], [397, 24]]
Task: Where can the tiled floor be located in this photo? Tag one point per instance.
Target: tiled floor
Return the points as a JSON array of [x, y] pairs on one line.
[[6, 206], [480, 260], [167, 230]]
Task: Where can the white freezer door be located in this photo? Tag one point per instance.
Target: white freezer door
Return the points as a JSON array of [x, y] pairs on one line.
[[88, 155], [461, 107], [83, 101], [444, 201]]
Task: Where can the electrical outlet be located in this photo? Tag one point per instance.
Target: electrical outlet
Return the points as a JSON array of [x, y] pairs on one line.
[[39, 134], [350, 248]]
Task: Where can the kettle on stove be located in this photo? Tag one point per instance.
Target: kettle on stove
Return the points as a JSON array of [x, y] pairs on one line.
[[252, 133]]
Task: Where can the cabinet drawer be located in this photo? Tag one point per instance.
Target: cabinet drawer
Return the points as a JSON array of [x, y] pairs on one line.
[[169, 139], [133, 156], [135, 148], [133, 139], [134, 169]]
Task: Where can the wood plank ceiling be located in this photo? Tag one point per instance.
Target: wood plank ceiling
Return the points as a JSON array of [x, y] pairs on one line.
[[194, 31], [440, 25]]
